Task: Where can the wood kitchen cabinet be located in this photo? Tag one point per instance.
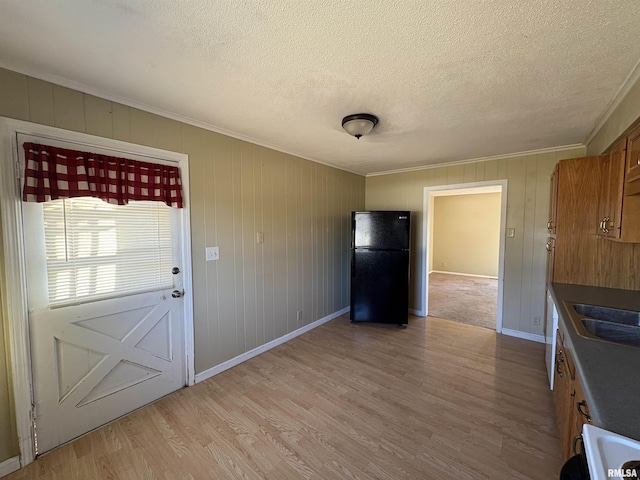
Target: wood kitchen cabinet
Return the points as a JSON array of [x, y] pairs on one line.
[[619, 206], [572, 411], [611, 192], [551, 224], [551, 253], [632, 172], [553, 201], [588, 189], [578, 188], [580, 410], [563, 395]]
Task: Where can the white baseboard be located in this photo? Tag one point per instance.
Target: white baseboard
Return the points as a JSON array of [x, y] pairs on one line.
[[464, 274], [243, 357], [527, 336], [417, 313], [9, 466]]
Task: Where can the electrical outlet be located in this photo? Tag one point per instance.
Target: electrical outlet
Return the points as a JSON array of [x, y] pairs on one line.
[[299, 315], [212, 253], [260, 237], [536, 321], [511, 232]]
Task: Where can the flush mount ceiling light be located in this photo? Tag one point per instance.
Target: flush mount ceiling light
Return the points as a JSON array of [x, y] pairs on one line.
[[359, 124]]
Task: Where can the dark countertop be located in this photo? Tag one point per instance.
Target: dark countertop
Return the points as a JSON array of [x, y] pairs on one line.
[[609, 373]]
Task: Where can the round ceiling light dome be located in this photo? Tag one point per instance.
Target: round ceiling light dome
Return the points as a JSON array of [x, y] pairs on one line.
[[359, 124]]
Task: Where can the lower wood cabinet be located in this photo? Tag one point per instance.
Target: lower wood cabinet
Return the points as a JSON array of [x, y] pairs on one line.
[[572, 411]]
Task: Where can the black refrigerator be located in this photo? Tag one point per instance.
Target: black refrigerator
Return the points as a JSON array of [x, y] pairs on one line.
[[380, 266]]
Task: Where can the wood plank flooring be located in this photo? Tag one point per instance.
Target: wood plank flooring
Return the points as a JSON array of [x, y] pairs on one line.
[[439, 400]]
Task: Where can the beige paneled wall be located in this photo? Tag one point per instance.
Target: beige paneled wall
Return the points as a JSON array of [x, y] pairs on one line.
[[254, 292], [527, 211], [466, 234]]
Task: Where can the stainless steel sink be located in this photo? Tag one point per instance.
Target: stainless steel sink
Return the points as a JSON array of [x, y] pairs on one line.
[[615, 315], [613, 332], [604, 323]]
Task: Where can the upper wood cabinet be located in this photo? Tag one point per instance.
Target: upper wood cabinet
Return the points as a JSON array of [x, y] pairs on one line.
[[619, 191], [632, 174], [611, 192], [579, 181], [553, 201], [551, 259]]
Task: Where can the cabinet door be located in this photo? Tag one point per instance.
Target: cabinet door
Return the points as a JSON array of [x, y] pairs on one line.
[[551, 250], [561, 387], [604, 206], [578, 416], [566, 395], [614, 181], [553, 201], [576, 225], [633, 156], [581, 409]]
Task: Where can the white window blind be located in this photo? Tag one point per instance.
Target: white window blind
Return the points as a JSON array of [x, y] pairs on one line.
[[97, 250]]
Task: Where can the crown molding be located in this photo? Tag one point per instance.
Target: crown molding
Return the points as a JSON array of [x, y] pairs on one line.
[[64, 82], [617, 99], [480, 159]]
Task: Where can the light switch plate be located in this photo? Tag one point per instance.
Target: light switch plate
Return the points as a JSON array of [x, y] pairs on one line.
[[511, 232], [212, 253]]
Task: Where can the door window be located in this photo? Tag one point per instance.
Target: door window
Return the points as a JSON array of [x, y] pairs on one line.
[[96, 250]]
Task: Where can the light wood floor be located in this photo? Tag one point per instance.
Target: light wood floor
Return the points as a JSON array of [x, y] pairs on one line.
[[439, 400]]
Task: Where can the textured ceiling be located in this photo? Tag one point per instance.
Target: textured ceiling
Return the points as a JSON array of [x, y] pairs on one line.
[[450, 79]]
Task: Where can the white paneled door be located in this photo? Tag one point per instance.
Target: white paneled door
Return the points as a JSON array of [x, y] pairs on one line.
[[95, 362], [104, 288]]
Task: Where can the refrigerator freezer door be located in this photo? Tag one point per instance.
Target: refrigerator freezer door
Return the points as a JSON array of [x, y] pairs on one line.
[[381, 230], [379, 286]]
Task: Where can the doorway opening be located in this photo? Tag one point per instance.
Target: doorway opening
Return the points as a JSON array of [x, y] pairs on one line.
[[464, 230]]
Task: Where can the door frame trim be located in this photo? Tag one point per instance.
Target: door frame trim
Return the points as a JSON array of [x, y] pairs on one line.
[[428, 195], [15, 298]]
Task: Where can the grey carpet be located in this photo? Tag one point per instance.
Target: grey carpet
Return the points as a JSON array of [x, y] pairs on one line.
[[470, 300]]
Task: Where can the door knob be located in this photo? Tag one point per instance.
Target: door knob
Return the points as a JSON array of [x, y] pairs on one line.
[[175, 270], [177, 293]]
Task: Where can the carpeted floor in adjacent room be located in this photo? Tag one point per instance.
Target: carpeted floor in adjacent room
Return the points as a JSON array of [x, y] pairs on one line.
[[470, 300]]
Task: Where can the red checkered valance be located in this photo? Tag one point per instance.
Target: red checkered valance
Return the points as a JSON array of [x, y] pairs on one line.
[[53, 172]]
